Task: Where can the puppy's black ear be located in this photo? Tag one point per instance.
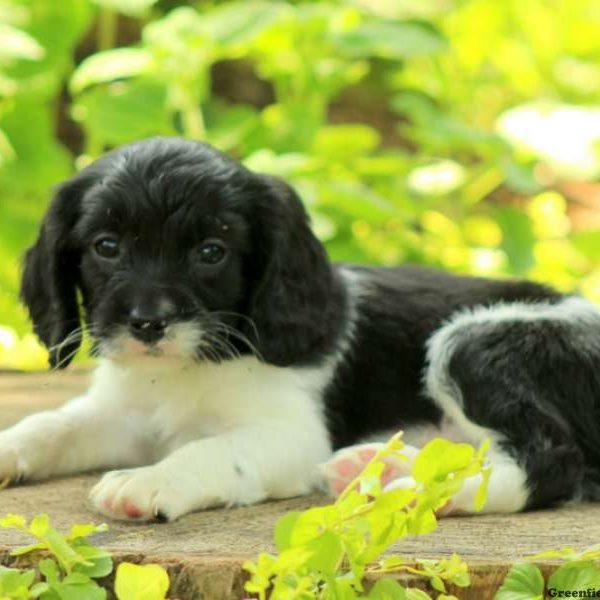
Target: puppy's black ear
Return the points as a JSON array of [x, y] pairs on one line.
[[296, 305], [51, 274]]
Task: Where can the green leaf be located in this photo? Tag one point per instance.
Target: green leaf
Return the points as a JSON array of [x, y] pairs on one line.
[[387, 589], [66, 556], [132, 8], [57, 27], [284, 528], [346, 141], [575, 575], [99, 562], [28, 549], [38, 589], [124, 112], [518, 238], [39, 525], [76, 579], [392, 562], [392, 40], [438, 458], [588, 243], [523, 582], [15, 583], [76, 591], [309, 526], [12, 521], [82, 530], [17, 44], [108, 66], [415, 594], [40, 162], [49, 569], [240, 22], [327, 552], [141, 582]]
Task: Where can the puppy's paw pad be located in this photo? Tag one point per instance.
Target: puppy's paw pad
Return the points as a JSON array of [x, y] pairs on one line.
[[130, 495], [346, 464]]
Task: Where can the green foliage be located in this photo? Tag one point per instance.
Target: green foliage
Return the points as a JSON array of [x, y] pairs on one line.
[[326, 552], [580, 572], [415, 131], [523, 582], [141, 582], [73, 567]]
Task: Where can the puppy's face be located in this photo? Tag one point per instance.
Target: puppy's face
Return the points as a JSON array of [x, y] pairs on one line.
[[164, 260], [177, 251]]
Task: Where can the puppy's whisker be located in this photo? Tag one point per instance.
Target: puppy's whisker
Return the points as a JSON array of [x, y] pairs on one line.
[[232, 332], [222, 342], [65, 359], [225, 313], [206, 353], [76, 336], [225, 346]]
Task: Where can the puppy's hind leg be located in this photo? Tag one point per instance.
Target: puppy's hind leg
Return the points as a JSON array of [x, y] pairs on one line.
[[347, 463], [500, 373]]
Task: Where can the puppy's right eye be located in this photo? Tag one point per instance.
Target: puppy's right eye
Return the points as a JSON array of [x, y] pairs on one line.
[[107, 247]]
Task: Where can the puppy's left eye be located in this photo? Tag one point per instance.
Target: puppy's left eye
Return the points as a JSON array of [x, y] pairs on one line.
[[107, 247], [212, 253]]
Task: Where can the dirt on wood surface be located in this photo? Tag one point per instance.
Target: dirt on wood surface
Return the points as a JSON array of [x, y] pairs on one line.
[[204, 551]]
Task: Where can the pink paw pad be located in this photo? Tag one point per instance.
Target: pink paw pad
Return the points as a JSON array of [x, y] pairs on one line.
[[348, 463], [366, 454], [345, 468], [131, 510]]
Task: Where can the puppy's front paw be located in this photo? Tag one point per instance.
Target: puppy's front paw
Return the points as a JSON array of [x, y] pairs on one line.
[[13, 467], [141, 494]]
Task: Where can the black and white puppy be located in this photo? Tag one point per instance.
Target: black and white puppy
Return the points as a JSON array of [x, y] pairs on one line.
[[235, 358]]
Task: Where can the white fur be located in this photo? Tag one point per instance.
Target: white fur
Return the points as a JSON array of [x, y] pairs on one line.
[[194, 434], [229, 433]]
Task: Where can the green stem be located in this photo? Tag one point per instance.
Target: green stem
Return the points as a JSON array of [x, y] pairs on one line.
[[107, 29], [193, 122], [192, 119]]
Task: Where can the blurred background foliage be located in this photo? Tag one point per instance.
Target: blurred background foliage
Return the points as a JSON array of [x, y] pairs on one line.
[[461, 134]]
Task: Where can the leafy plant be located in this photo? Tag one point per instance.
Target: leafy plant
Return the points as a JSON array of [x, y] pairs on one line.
[[73, 567], [326, 552], [579, 573]]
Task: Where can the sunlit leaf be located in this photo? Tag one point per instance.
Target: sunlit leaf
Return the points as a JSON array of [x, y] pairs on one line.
[[141, 582], [575, 575], [387, 589], [523, 582], [110, 65], [392, 39], [125, 112], [284, 529], [17, 44], [133, 8]]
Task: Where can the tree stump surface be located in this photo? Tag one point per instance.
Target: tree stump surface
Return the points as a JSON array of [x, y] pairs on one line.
[[204, 551]]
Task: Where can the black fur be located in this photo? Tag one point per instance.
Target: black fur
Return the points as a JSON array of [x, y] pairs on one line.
[[401, 310], [536, 383]]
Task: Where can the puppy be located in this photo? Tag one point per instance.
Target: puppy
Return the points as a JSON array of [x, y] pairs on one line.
[[234, 358]]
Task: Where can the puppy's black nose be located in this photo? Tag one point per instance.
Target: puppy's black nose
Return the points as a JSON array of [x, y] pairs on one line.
[[149, 325]]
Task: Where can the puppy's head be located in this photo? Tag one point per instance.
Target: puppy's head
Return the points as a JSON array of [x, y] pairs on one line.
[[171, 249]]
